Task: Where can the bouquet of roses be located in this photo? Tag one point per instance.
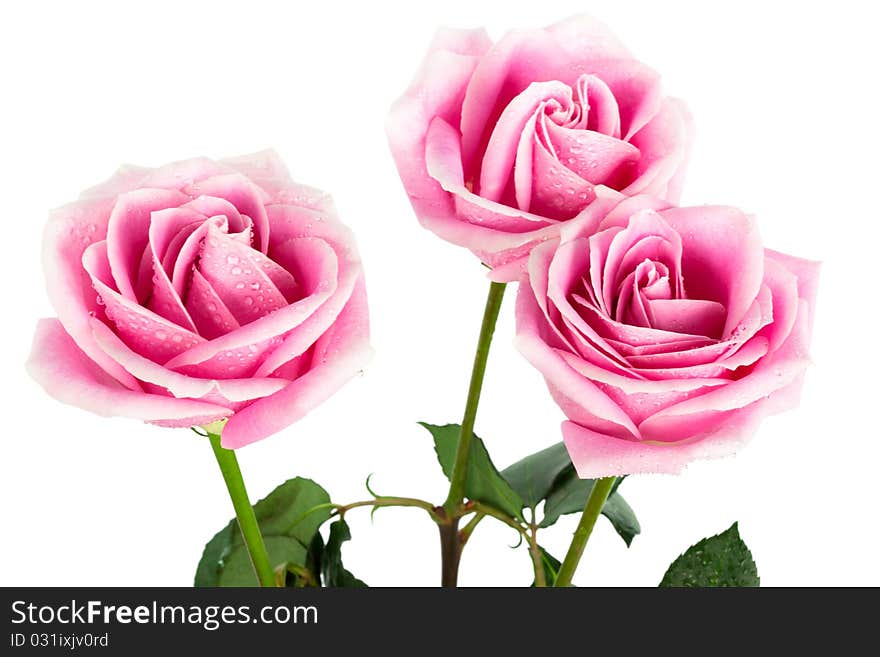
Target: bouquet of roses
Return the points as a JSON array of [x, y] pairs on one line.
[[222, 297]]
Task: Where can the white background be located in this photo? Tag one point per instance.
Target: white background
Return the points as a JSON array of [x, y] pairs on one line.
[[786, 105]]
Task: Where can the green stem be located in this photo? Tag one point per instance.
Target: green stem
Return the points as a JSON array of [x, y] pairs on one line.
[[595, 502], [449, 536], [486, 510], [389, 501], [537, 560], [465, 532], [244, 512]]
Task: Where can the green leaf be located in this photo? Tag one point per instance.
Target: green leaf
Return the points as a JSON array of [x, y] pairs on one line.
[[207, 572], [569, 495], [332, 569], [310, 574], [315, 557], [622, 518], [483, 482], [287, 531], [235, 569], [721, 560], [551, 566], [532, 477]]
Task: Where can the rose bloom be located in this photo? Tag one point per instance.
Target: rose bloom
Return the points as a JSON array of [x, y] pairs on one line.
[[498, 145], [664, 334], [198, 291]]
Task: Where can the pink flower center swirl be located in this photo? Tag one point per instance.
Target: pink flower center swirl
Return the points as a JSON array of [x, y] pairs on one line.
[[552, 144]]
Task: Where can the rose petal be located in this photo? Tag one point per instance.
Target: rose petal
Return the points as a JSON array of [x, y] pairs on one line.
[[228, 355], [190, 250], [557, 192], [596, 455], [518, 59], [642, 224], [632, 385], [586, 38], [603, 114], [568, 260], [579, 398], [723, 259], [691, 316], [641, 398], [180, 385], [71, 377], [124, 179], [147, 333], [179, 175], [664, 145], [262, 165], [807, 273], [595, 157], [772, 373], [168, 231], [498, 234], [127, 232], [212, 206], [437, 91], [635, 336], [237, 278], [244, 195], [501, 151], [324, 317], [340, 354], [69, 231], [675, 347], [207, 309], [164, 298]]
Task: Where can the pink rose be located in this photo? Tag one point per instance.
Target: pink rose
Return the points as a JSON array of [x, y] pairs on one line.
[[664, 334], [499, 145], [198, 291]]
